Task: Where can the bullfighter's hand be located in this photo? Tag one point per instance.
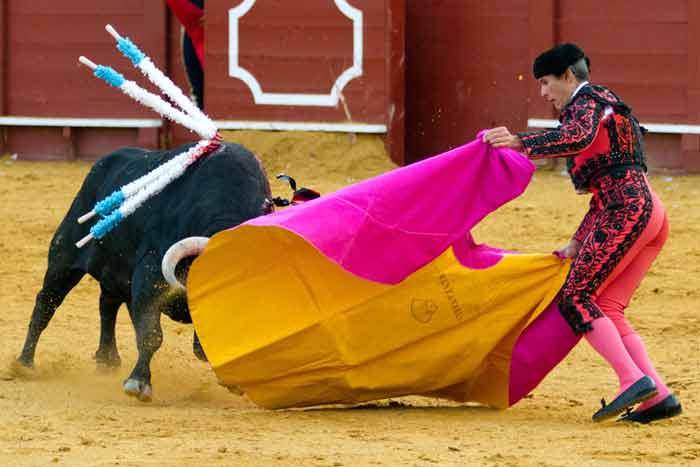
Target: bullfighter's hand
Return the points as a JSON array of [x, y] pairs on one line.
[[569, 251], [501, 137]]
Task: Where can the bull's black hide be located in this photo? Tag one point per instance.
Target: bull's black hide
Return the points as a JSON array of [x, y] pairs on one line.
[[219, 191]]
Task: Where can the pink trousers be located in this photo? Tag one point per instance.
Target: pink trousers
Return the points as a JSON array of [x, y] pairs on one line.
[[615, 293]]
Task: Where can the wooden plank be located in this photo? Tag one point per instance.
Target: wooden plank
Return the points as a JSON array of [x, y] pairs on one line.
[[175, 134], [42, 63], [97, 142], [462, 72], [49, 143], [63, 30], [542, 34], [663, 104], [690, 144], [290, 53], [693, 58], [668, 70], [668, 11], [154, 32], [69, 142], [640, 38], [467, 10], [46, 143], [148, 138], [656, 37], [89, 8], [396, 79], [286, 48], [155, 46], [3, 55]]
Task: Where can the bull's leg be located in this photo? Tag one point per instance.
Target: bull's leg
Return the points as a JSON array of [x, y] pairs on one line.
[[57, 284], [197, 348], [107, 355], [149, 336]]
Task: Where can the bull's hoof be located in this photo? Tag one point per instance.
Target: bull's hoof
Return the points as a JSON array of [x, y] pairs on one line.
[[22, 369], [138, 389]]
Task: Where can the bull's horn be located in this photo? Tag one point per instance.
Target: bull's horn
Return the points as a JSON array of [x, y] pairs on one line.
[[190, 246]]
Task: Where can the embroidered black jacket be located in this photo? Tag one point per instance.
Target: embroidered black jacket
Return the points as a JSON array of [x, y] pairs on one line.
[[594, 142]]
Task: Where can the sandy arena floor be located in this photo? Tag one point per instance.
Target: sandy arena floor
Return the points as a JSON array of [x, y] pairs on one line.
[[68, 414]]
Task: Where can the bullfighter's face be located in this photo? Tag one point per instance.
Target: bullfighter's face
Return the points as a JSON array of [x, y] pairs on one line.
[[557, 90]]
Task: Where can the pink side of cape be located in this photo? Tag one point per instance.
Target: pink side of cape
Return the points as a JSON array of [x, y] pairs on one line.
[[385, 228]]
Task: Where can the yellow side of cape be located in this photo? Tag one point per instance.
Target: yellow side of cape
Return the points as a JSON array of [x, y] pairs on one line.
[[291, 328]]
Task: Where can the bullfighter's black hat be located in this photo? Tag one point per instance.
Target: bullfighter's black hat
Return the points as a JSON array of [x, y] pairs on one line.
[[556, 60]]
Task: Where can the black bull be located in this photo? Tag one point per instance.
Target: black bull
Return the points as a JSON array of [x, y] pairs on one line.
[[220, 191]]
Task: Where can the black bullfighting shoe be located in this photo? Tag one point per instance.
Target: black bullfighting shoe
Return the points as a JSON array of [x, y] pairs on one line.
[[642, 389], [667, 408]]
